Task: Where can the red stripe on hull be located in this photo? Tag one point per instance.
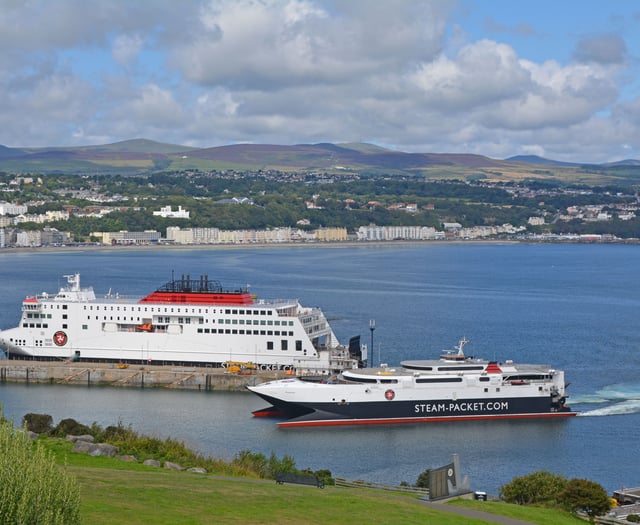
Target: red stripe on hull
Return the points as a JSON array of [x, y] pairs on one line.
[[397, 421]]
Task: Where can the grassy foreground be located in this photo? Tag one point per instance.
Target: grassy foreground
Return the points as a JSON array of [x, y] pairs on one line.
[[114, 491]]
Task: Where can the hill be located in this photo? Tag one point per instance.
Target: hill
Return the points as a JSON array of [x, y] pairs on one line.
[[142, 156]]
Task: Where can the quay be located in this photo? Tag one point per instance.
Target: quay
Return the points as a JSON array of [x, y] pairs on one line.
[[131, 375]]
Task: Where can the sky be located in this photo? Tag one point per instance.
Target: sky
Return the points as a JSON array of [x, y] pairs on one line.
[[559, 79]]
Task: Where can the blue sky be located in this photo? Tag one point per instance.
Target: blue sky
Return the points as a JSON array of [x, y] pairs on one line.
[[493, 77]]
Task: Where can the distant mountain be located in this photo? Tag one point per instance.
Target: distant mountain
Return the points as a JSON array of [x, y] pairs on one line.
[[535, 159], [6, 152], [626, 162], [140, 156], [327, 156]]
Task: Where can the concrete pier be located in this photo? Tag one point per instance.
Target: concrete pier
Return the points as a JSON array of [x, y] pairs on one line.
[[138, 376]]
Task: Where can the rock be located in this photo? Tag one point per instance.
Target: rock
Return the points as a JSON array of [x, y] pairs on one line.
[[151, 463], [94, 449], [82, 447], [103, 449], [128, 458], [199, 470], [83, 437], [172, 466], [32, 435]]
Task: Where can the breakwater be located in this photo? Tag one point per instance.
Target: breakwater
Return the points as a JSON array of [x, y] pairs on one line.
[[147, 376]]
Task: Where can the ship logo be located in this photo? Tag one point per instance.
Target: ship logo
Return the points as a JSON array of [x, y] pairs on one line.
[[60, 338]]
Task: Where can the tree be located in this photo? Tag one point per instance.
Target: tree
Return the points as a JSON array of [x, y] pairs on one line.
[[587, 496], [537, 487], [33, 489], [423, 479]]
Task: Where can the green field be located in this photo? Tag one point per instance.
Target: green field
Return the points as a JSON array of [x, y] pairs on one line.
[[113, 491]]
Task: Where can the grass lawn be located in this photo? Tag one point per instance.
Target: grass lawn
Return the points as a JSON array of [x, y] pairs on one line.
[[114, 491]]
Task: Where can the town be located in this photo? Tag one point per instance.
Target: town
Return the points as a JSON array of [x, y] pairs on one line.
[[271, 207]]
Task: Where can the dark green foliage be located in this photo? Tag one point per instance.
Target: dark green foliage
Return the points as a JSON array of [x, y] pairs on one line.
[[423, 479], [633, 518], [539, 487], [70, 426], [38, 423], [586, 496]]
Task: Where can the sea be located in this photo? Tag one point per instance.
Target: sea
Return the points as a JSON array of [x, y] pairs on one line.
[[572, 306]]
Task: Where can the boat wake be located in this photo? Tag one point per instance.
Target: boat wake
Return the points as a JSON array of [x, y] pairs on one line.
[[619, 399]]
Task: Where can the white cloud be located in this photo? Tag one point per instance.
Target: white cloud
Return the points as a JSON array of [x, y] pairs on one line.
[[401, 72]]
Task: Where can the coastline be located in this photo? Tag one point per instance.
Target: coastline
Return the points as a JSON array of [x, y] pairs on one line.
[[290, 245]]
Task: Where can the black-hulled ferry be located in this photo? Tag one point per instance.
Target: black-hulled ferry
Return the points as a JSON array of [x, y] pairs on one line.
[[455, 387]]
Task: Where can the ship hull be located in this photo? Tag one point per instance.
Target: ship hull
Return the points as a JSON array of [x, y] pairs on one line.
[[411, 411]]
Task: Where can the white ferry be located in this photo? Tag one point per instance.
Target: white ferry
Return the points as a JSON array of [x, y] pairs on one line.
[[456, 387], [186, 321]]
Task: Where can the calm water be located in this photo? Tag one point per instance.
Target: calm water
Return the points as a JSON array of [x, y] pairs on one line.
[[574, 307]]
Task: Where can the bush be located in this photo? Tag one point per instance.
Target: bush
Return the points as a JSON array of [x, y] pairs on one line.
[[586, 496], [72, 427], [38, 423], [540, 487], [33, 489], [633, 518]]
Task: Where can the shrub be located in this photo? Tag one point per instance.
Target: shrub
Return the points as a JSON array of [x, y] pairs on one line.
[[38, 423], [33, 489], [540, 487], [633, 518], [70, 426], [587, 496]]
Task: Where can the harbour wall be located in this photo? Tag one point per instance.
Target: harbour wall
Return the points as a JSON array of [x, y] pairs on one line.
[[148, 376]]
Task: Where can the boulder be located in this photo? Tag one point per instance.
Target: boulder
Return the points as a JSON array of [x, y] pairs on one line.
[[94, 449], [199, 470], [172, 466], [151, 463], [83, 437]]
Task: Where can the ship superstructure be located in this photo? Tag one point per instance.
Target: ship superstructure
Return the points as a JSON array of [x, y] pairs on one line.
[[186, 321]]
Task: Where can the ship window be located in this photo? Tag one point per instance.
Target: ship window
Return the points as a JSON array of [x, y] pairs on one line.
[[234, 331], [459, 368], [255, 332], [241, 332], [284, 345], [227, 311], [256, 312], [269, 345], [277, 323], [269, 332], [234, 312], [64, 326], [263, 332], [84, 327], [64, 306], [439, 380], [187, 320], [270, 323], [263, 312], [498, 389], [484, 378], [298, 345], [234, 321], [199, 330], [486, 390], [387, 381], [64, 316]]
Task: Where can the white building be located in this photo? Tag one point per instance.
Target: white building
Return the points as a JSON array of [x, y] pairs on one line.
[[167, 212], [7, 208]]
